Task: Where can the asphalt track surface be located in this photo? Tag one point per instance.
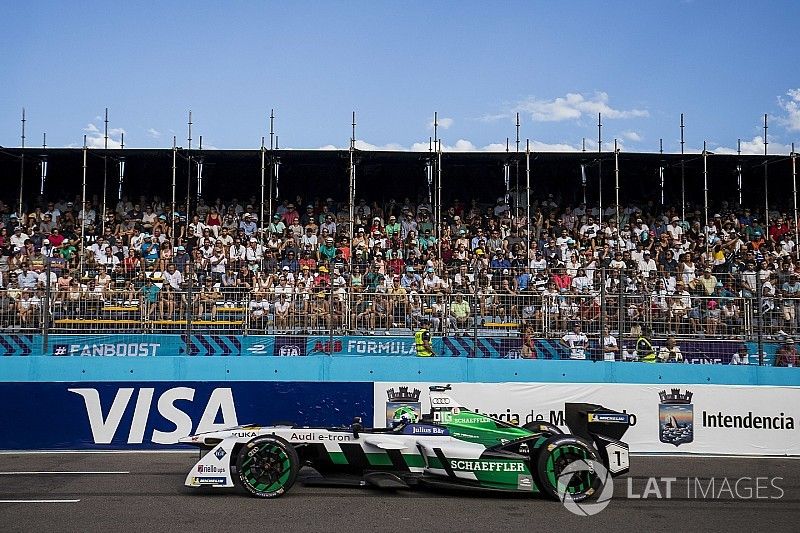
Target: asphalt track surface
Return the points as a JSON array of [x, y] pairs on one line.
[[144, 492]]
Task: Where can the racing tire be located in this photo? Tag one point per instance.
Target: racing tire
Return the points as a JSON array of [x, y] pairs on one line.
[[554, 455], [267, 466], [545, 428]]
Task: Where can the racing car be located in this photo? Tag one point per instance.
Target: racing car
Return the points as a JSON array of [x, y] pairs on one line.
[[450, 446]]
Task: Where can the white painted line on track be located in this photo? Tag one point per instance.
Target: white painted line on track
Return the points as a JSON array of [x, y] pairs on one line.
[[61, 473], [39, 501]]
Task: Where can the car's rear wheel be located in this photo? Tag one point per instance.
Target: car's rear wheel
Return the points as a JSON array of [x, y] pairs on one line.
[[555, 455], [267, 466]]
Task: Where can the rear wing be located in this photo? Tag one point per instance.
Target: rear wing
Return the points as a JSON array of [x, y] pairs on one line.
[[588, 420]]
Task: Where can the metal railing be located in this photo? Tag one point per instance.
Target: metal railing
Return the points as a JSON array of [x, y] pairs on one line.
[[488, 304]]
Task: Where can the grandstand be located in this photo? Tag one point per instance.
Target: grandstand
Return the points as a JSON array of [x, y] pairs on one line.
[[535, 250]]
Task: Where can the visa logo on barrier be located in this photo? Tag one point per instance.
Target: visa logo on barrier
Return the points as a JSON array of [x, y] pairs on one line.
[[104, 427]]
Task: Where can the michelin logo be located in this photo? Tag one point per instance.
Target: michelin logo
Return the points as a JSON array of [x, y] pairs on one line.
[[210, 480]]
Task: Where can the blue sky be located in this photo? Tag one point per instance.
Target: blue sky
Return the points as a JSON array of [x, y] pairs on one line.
[[723, 64]]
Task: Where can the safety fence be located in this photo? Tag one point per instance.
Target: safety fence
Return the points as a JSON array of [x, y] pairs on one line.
[[616, 307]]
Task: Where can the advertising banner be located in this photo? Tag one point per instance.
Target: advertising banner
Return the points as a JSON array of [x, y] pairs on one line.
[[207, 344], [714, 419], [154, 415]]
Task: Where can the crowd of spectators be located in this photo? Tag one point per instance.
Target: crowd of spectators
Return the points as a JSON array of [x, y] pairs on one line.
[[653, 266]]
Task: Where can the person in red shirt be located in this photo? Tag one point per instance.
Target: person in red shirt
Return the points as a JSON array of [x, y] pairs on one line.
[[786, 356], [778, 229], [562, 279], [56, 238]]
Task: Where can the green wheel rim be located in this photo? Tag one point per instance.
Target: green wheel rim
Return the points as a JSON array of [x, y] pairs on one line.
[[267, 469], [559, 459]]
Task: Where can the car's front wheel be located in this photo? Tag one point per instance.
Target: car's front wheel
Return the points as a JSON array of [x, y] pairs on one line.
[[555, 455], [267, 466]]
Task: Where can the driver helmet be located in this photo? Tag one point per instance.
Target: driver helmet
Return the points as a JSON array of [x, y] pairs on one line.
[[404, 415]]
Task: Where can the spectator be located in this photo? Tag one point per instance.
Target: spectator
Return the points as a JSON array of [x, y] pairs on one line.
[[786, 356], [576, 342], [741, 357], [609, 345], [670, 352]]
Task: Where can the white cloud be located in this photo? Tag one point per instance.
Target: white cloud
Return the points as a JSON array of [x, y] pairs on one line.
[[154, 133], [444, 123], [363, 145], [755, 146], [792, 108], [461, 145], [573, 106], [631, 135], [489, 117], [95, 137]]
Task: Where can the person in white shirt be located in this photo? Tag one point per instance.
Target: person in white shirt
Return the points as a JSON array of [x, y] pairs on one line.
[[224, 237], [431, 282], [173, 277], [646, 265], [581, 281], [576, 341], [309, 238], [254, 252], [675, 229], [610, 346], [18, 238], [741, 357], [538, 263], [259, 308], [219, 264], [639, 228], [670, 352], [590, 229]]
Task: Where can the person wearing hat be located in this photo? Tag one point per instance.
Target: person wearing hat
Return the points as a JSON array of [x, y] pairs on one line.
[[786, 355], [290, 214], [410, 277], [675, 229], [427, 240], [708, 281], [327, 250], [248, 225], [18, 238], [647, 266], [276, 226], [320, 311], [422, 340]]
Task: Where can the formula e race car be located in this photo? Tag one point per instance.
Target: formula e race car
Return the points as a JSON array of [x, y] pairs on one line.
[[450, 446]]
